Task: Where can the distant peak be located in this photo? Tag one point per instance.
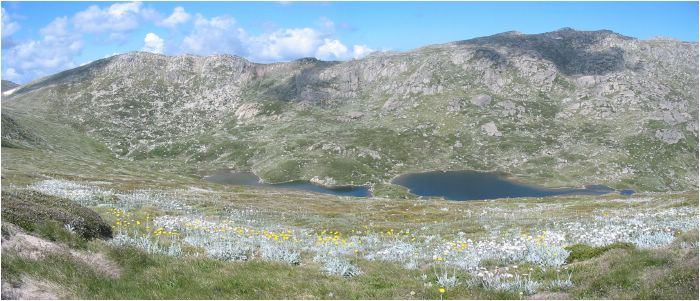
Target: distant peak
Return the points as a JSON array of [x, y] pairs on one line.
[[185, 55], [573, 32], [307, 60], [510, 33]]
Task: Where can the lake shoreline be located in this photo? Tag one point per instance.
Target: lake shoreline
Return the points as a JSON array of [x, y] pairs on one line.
[[249, 178]]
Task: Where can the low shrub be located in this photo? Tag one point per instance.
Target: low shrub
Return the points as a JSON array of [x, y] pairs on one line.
[[31, 210]]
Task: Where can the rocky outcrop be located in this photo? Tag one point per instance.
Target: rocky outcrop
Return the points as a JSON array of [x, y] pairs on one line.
[[480, 100], [491, 130], [669, 136]]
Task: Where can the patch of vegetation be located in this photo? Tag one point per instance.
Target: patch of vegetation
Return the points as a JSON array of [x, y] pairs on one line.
[[581, 252], [638, 274], [57, 232], [15, 135], [391, 191], [34, 211], [146, 276]]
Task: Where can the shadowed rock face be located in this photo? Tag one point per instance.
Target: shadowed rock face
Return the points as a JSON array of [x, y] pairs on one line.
[[573, 52], [588, 107]]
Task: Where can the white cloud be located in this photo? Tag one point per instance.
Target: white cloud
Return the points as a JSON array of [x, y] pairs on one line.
[[178, 16], [153, 43], [8, 26], [53, 53], [11, 74], [221, 35], [122, 9], [285, 44], [335, 50], [8, 29], [217, 35], [360, 51], [326, 23], [117, 19], [61, 41], [292, 43], [332, 50]]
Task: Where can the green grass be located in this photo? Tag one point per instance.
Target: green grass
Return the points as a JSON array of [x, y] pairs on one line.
[[638, 274], [160, 277], [581, 252], [56, 232]]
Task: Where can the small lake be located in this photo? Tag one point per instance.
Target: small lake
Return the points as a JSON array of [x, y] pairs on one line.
[[250, 179], [474, 185]]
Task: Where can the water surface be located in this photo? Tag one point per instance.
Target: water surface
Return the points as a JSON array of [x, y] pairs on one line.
[[474, 185], [249, 179]]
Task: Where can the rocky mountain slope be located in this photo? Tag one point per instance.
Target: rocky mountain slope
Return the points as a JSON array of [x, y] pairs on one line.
[[8, 85], [559, 108]]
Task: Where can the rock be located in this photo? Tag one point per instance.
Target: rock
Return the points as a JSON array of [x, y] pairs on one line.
[[247, 111], [391, 104], [549, 296], [455, 105], [491, 130], [355, 115], [35, 248], [32, 289], [669, 136], [673, 112], [510, 108], [327, 181], [587, 81], [481, 100], [370, 153]]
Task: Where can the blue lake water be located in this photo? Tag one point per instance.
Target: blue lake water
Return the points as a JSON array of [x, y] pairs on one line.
[[250, 179], [451, 185], [474, 185]]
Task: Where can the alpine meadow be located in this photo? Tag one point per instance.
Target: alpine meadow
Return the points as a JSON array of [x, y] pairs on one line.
[[552, 165]]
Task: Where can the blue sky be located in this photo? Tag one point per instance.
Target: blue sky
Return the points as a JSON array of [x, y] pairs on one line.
[[41, 38]]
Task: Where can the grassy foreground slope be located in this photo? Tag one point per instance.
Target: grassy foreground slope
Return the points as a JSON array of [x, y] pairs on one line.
[[205, 241]]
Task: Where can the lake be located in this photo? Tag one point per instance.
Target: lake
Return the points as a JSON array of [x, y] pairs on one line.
[[250, 179], [474, 185]]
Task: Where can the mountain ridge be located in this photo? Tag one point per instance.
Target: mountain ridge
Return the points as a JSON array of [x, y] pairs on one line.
[[566, 31], [553, 106], [8, 85]]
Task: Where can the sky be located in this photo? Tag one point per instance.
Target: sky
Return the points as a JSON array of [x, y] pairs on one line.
[[42, 38]]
